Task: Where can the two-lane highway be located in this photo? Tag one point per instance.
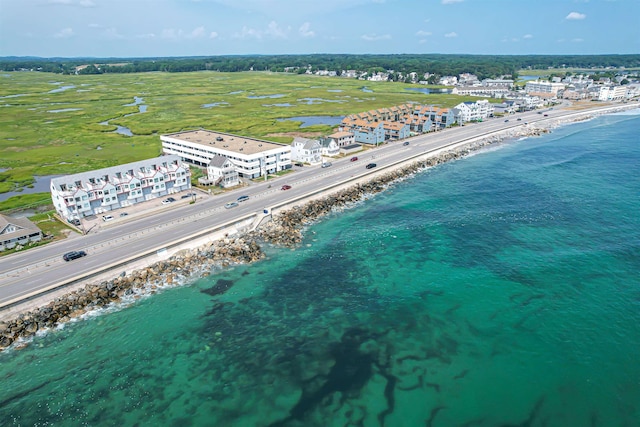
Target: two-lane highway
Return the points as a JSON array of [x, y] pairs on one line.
[[41, 268]]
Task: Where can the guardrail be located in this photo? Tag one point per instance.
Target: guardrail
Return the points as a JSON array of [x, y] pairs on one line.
[[120, 264]]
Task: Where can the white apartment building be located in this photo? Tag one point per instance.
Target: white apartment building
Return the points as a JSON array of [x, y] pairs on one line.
[[473, 111], [252, 157], [95, 192], [537, 86], [611, 93]]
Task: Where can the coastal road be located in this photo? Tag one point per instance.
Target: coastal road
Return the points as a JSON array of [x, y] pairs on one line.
[[42, 268]]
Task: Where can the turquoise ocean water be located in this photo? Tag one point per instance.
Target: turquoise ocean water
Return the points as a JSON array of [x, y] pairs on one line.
[[502, 289]]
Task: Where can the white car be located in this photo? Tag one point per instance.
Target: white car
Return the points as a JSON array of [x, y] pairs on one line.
[[106, 218]]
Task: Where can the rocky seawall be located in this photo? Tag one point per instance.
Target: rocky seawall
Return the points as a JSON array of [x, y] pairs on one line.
[[285, 229]]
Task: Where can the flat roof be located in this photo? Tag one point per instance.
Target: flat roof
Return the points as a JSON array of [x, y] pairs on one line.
[[226, 141]]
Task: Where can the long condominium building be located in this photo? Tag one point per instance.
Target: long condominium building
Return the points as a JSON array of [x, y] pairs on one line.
[[95, 192], [252, 157]]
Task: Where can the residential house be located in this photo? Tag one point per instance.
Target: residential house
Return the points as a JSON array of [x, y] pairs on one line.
[[329, 147], [221, 171], [306, 150], [17, 231], [343, 138]]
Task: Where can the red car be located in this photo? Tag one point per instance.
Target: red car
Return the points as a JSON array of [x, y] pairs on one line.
[[285, 187], [353, 159]]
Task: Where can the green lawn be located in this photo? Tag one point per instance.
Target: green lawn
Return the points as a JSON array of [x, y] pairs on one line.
[[37, 140]]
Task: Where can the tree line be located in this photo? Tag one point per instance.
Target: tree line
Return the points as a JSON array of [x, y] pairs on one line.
[[483, 66]]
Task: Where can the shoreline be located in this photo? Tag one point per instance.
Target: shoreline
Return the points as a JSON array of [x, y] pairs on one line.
[[202, 257]]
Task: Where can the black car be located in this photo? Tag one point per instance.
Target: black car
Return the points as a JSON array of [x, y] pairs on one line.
[[69, 256], [371, 166]]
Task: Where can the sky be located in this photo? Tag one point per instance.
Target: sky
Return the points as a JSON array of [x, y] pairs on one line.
[[163, 28]]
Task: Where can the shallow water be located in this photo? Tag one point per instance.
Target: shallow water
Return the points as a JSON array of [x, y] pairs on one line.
[[500, 289]]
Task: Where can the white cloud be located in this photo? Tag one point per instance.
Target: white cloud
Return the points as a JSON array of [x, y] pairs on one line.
[[422, 33], [86, 3], [213, 35], [578, 40], [197, 33], [146, 36], [59, 1], [305, 30], [248, 33], [451, 34], [375, 37], [64, 33], [527, 36], [451, 1], [112, 33], [274, 30], [171, 34], [575, 16]]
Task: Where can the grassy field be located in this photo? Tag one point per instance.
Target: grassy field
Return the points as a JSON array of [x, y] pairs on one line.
[[44, 132]]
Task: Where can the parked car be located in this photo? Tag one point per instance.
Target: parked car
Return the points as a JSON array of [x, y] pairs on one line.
[[75, 221], [546, 115], [371, 166], [69, 256], [243, 198], [506, 120], [406, 143], [286, 187], [519, 118], [106, 218], [166, 201], [231, 205], [171, 199], [326, 165], [186, 196], [353, 159], [124, 214], [300, 164]]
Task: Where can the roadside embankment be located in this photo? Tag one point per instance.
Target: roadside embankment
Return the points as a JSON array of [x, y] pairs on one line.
[[285, 229]]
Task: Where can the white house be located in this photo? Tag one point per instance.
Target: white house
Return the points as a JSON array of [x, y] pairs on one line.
[[329, 147], [306, 150], [102, 190], [221, 171], [17, 231], [252, 157]]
